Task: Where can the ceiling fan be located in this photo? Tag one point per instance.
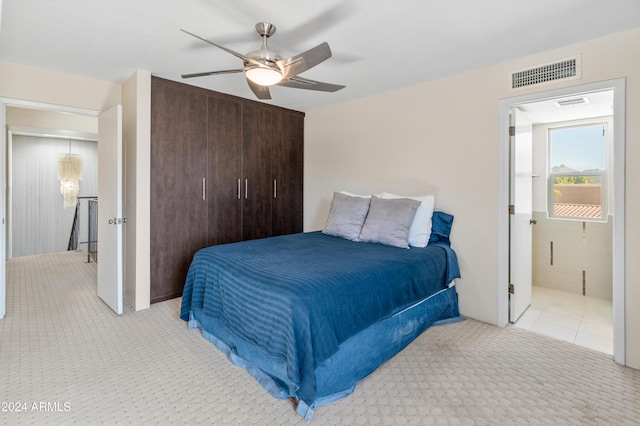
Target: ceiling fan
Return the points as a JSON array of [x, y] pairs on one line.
[[264, 67]]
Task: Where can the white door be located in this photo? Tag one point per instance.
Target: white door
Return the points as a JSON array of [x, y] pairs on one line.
[[522, 215], [110, 220]]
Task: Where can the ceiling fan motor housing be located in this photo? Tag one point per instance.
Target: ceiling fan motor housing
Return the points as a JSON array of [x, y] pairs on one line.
[[265, 55], [265, 29]]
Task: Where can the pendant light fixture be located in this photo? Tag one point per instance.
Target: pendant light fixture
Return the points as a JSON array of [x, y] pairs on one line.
[[70, 175]]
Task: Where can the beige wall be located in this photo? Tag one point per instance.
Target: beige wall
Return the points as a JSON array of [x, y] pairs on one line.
[[51, 120], [442, 137], [42, 86], [578, 248]]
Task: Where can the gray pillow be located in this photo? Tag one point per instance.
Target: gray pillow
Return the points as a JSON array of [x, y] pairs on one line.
[[389, 221], [346, 216]]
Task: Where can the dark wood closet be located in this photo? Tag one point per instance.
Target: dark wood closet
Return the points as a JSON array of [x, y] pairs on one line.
[[223, 169]]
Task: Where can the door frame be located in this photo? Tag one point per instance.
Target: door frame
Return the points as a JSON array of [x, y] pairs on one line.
[[3, 209], [10, 102], [619, 263]]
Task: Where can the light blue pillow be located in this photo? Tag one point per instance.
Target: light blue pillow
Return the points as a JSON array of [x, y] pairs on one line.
[[346, 216]]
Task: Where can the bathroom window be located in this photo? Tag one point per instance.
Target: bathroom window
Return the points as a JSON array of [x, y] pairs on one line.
[[577, 173]]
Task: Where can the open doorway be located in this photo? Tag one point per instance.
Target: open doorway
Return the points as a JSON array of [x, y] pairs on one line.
[[110, 188], [616, 196], [572, 215], [37, 132], [39, 218]]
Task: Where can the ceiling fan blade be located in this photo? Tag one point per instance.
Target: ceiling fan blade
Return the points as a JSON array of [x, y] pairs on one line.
[[305, 83], [299, 63], [234, 53], [262, 92], [202, 74]]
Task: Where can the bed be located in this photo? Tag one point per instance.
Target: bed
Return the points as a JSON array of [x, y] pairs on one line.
[[311, 314]]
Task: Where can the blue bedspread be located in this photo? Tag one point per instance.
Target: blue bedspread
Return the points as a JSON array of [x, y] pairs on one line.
[[300, 296]]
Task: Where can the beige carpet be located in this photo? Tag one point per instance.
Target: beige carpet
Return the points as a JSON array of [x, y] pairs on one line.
[[65, 358]]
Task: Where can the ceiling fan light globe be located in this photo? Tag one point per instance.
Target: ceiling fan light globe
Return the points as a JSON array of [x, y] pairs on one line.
[[264, 76]]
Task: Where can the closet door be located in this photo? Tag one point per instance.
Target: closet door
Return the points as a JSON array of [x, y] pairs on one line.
[[178, 165], [224, 182], [256, 168], [287, 173]]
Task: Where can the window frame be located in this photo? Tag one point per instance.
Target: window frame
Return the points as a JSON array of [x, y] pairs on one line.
[[603, 175]]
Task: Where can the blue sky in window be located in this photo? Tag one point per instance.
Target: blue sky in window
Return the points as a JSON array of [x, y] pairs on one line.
[[580, 148]]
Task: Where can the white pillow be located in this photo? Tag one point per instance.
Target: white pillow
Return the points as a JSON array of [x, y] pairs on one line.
[[351, 194], [420, 230]]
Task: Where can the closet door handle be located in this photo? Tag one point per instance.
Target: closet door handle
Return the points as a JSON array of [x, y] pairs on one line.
[[246, 188], [204, 189], [275, 188], [238, 189]]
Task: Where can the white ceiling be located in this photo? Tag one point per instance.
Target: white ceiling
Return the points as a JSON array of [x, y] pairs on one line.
[[377, 46], [596, 104]]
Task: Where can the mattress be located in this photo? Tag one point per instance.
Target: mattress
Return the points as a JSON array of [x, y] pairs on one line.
[[290, 302]]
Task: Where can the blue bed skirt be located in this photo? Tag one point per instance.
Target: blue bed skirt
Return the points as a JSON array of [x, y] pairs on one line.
[[356, 358]]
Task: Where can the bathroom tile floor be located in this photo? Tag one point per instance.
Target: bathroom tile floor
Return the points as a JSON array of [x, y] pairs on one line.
[[583, 320]]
